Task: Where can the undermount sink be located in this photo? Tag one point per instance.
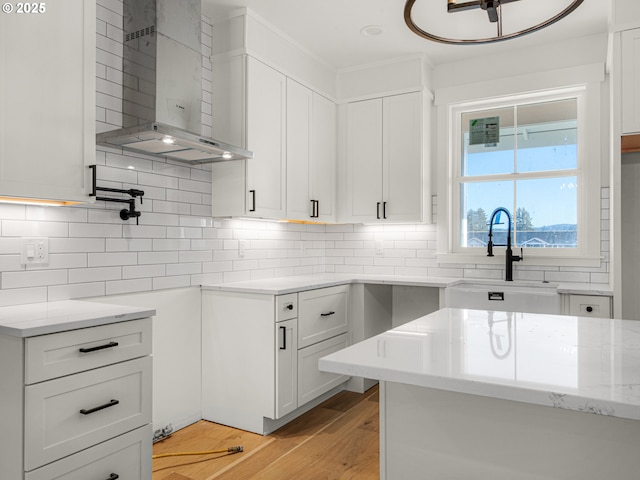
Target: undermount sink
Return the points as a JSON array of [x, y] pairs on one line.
[[531, 297]]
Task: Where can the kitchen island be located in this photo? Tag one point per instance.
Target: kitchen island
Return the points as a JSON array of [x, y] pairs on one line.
[[472, 394]]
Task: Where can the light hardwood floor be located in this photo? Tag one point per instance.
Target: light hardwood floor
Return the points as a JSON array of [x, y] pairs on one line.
[[338, 439]]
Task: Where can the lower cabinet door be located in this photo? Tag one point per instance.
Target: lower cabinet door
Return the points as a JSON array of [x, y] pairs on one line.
[[68, 414], [126, 457], [311, 381], [286, 367]]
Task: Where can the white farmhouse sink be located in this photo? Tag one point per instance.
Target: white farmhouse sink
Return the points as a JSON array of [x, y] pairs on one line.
[[531, 297]]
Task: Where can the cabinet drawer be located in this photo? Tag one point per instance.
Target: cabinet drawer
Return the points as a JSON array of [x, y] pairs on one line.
[[322, 314], [128, 456], [590, 306], [71, 413], [311, 381], [286, 307], [64, 353]]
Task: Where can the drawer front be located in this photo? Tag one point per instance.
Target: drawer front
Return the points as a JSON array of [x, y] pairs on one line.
[[68, 414], [311, 381], [127, 456], [286, 307], [322, 314], [590, 306], [65, 353]]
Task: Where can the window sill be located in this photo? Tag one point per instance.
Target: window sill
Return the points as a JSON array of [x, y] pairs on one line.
[[530, 259]]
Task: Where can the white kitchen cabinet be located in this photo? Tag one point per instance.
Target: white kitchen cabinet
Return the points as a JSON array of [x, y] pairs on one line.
[[588, 306], [47, 101], [386, 179], [286, 367], [255, 374], [630, 81], [82, 400], [255, 187], [311, 155], [626, 14]]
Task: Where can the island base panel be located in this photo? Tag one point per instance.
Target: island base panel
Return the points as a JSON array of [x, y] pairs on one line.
[[428, 433]]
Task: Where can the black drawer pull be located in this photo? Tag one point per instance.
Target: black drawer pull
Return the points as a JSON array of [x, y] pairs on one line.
[[113, 476], [289, 307], [327, 314], [284, 338], [99, 347], [101, 407]]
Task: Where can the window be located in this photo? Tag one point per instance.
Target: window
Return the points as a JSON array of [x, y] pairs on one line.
[[525, 154]]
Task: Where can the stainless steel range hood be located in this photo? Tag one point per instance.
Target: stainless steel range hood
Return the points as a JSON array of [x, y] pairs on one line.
[[162, 85]]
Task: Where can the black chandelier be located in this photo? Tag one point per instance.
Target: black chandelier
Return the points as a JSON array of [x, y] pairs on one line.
[[494, 12]]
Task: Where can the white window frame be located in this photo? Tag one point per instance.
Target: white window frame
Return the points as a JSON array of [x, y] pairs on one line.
[[589, 121]]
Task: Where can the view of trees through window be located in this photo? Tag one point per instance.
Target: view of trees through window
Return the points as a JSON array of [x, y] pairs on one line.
[[523, 158]]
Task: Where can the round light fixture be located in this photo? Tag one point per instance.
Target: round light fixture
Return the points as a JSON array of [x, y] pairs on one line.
[[494, 12], [227, 155], [168, 140], [372, 30]]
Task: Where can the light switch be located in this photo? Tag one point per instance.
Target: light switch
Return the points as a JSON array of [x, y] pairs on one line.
[[34, 251]]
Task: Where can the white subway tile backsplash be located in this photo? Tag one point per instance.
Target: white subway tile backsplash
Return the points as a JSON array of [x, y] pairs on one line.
[[33, 278], [143, 271], [112, 258], [128, 286], [98, 274], [95, 230], [146, 258], [75, 291], [20, 296], [17, 228], [179, 281]]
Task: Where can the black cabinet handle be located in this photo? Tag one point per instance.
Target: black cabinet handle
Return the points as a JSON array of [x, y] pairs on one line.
[[113, 476], [93, 180], [384, 209], [289, 307], [589, 309], [253, 200], [327, 314], [378, 210], [284, 338], [99, 347], [101, 407]]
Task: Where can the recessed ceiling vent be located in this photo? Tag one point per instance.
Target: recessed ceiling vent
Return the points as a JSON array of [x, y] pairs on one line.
[[162, 85]]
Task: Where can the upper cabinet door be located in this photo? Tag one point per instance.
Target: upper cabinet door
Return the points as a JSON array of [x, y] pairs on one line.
[[299, 105], [364, 161], [311, 155], [323, 158], [403, 158], [631, 81], [266, 130], [47, 100]]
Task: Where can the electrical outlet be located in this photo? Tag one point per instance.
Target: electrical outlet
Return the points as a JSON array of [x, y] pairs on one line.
[[379, 247], [34, 251]]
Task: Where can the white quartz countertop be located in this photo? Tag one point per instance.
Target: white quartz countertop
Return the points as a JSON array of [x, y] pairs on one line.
[[52, 317], [577, 363], [299, 283]]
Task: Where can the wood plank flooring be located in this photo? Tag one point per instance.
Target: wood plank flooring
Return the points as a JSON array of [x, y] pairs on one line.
[[337, 440]]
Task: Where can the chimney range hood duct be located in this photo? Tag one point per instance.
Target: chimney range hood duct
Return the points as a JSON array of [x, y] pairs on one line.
[[162, 85]]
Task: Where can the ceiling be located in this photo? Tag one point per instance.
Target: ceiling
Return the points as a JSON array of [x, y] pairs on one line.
[[330, 29]]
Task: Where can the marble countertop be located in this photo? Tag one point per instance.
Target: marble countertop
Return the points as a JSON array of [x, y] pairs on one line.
[[299, 283], [576, 363], [52, 317]]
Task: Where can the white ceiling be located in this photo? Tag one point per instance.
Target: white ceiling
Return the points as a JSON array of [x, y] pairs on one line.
[[331, 28]]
